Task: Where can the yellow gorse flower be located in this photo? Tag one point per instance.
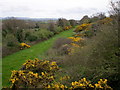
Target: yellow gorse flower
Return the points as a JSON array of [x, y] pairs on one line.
[[25, 45], [82, 27], [53, 63], [46, 77], [75, 39]]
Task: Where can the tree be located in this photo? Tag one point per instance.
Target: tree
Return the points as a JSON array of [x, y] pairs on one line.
[[51, 27], [72, 22], [85, 19], [36, 25], [14, 26], [63, 22]]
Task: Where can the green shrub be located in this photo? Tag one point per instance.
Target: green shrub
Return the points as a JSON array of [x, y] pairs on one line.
[[58, 30], [10, 44], [31, 38], [10, 40], [43, 34], [60, 42]]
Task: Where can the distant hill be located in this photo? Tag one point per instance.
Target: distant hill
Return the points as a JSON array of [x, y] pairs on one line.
[[33, 19]]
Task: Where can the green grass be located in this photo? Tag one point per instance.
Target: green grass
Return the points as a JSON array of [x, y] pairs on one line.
[[15, 61]]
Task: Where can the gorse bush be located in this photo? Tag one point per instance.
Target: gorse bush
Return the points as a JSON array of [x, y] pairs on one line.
[[41, 74], [81, 27], [34, 73], [67, 27], [24, 45]]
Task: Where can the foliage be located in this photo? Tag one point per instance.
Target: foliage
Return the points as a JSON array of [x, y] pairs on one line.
[[43, 34], [105, 20], [60, 42], [67, 27], [85, 19], [34, 73], [63, 22], [81, 27], [73, 22], [41, 74], [98, 58], [32, 38], [75, 39]]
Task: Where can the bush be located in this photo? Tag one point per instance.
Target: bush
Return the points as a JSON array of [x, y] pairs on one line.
[[34, 74], [58, 30], [82, 27], [10, 40], [60, 42], [31, 38], [43, 34], [41, 74], [10, 44]]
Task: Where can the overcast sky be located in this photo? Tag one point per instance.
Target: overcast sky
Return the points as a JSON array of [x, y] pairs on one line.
[[69, 9]]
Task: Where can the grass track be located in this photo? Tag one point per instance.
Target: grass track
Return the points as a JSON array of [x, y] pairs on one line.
[[15, 61]]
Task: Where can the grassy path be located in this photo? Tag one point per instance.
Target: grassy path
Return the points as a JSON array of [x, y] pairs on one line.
[[15, 61]]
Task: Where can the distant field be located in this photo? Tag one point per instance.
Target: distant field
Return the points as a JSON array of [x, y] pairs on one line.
[[15, 61]]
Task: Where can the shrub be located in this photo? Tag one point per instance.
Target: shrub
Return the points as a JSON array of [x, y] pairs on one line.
[[10, 44], [34, 74], [41, 74], [10, 40], [24, 45], [31, 38], [58, 30], [81, 27], [67, 27], [60, 42], [75, 39], [44, 34]]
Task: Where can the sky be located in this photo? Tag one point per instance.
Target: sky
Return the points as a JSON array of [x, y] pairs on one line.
[[69, 9]]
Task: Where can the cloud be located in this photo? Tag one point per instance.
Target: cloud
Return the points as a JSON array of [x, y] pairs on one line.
[[52, 8]]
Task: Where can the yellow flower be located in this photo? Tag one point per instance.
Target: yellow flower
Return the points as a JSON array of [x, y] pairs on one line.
[[56, 85], [105, 81], [53, 63], [36, 75], [43, 73], [97, 85], [84, 79], [81, 85], [52, 77], [25, 45], [62, 86], [49, 86], [13, 80], [90, 85]]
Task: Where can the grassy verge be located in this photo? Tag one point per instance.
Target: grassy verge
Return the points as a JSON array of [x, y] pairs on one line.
[[15, 61]]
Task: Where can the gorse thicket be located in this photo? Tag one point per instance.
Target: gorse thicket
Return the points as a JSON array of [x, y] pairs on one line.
[[41, 74]]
